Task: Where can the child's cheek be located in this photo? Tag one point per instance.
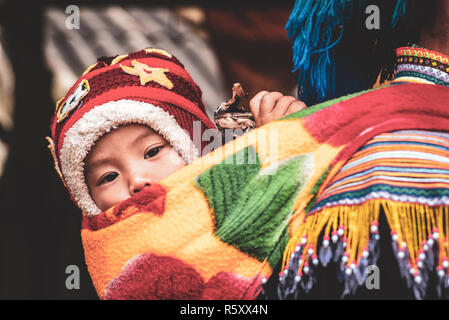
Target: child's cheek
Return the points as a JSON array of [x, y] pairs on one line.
[[110, 196], [174, 159], [169, 166]]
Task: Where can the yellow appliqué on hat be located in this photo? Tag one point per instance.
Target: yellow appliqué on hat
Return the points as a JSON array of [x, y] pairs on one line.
[[58, 103], [160, 51], [147, 74], [89, 68], [73, 100], [118, 59]]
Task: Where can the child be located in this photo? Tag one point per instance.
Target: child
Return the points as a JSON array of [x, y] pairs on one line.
[[131, 121]]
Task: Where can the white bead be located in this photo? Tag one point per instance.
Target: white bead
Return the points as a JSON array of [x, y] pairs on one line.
[[315, 261], [298, 278], [310, 251], [418, 279], [304, 240], [326, 243], [445, 264], [404, 245], [420, 264], [441, 273], [422, 256], [348, 271], [401, 254], [344, 259], [264, 280], [425, 247], [365, 254], [297, 248], [373, 228], [435, 235], [334, 238], [377, 237], [306, 270], [412, 270], [300, 261], [352, 266], [292, 256], [394, 237], [340, 232], [430, 242], [285, 271]]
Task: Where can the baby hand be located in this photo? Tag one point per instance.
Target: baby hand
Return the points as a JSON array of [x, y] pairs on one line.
[[268, 106]]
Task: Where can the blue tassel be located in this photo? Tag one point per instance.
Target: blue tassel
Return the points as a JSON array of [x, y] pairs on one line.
[[312, 43], [311, 27], [399, 11]]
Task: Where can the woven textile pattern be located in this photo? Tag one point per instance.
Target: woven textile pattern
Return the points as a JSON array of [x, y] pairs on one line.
[[405, 166], [432, 72], [422, 66]]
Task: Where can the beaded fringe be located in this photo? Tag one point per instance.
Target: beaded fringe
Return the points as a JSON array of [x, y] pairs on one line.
[[350, 237]]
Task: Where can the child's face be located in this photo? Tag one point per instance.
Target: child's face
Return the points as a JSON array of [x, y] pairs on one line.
[[125, 161]]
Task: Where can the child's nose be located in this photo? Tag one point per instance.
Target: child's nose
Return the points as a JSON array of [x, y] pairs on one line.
[[138, 185]]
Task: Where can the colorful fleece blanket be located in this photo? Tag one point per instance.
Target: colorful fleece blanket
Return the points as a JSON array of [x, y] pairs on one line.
[[217, 228]]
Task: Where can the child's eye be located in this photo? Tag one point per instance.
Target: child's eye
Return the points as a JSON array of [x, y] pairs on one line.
[[108, 178], [152, 152]]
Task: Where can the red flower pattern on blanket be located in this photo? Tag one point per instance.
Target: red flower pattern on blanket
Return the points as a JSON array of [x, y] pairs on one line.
[[153, 277]]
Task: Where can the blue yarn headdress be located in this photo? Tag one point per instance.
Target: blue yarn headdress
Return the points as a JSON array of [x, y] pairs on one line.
[[314, 28]]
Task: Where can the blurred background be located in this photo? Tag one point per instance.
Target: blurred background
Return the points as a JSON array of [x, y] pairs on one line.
[[42, 55]]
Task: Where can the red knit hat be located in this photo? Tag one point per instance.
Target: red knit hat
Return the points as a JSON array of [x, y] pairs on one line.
[[149, 87]]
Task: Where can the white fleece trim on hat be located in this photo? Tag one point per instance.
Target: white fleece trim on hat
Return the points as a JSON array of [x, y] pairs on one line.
[[80, 138]]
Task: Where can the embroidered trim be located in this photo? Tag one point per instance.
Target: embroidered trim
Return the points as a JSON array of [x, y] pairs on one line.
[[405, 79], [382, 194], [423, 62], [414, 75], [432, 72], [422, 53]]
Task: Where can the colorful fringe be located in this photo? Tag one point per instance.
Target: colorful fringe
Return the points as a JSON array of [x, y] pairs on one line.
[[350, 238]]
